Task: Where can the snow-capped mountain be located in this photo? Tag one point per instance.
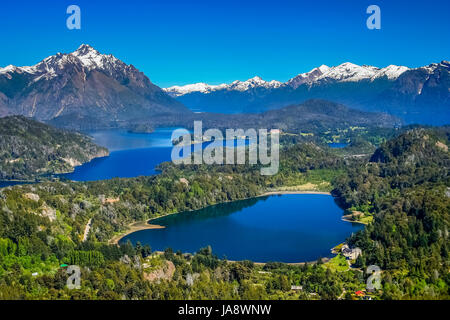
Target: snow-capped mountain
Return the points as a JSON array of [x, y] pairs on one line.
[[86, 85], [414, 94], [87, 89], [346, 72], [308, 77], [177, 91], [85, 56], [349, 72], [255, 82]]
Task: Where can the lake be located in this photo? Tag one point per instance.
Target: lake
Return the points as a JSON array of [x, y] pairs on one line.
[[285, 228], [337, 145], [4, 184], [131, 154]]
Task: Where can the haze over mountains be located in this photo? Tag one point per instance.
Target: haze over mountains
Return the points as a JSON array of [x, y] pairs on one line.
[[416, 95], [83, 89]]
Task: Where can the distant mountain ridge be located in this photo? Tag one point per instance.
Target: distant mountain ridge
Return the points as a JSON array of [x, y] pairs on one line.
[[88, 90], [83, 88], [237, 85], [344, 72], [413, 94]]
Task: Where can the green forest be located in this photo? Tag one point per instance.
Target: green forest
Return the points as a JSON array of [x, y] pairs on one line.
[[403, 186]]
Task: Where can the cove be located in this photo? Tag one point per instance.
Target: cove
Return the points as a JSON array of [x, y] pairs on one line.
[[286, 228]]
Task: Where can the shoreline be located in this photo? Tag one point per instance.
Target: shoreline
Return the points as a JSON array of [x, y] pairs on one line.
[[134, 227], [50, 176], [347, 220], [324, 260], [274, 193], [348, 217]]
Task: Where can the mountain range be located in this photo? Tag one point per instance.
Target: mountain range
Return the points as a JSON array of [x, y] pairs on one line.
[[88, 90], [83, 89], [415, 95]]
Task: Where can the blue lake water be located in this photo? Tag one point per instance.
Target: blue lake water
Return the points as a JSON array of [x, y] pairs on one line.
[[9, 183], [131, 154], [337, 145], [286, 228]]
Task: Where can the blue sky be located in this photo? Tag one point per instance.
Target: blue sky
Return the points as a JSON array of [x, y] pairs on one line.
[[180, 42]]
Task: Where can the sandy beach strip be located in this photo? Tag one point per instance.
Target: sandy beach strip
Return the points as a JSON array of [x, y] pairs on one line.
[[136, 226]]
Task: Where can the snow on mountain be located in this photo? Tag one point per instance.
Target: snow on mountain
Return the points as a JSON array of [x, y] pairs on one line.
[[85, 56], [432, 67], [237, 85], [91, 59], [196, 87], [253, 83], [70, 87], [392, 72], [307, 77], [346, 72], [7, 69], [350, 72]]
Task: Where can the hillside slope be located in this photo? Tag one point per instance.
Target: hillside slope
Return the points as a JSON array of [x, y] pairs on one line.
[[29, 149]]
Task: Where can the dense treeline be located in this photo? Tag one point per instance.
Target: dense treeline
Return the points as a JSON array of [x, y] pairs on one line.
[[406, 186]]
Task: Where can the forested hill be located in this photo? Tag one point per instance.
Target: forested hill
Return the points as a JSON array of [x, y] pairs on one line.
[[406, 190], [29, 149], [417, 146], [316, 116]]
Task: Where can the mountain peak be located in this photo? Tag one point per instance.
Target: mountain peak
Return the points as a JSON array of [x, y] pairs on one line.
[[256, 79], [8, 68], [348, 65], [307, 77], [87, 84], [92, 59], [323, 68], [85, 49], [253, 83]]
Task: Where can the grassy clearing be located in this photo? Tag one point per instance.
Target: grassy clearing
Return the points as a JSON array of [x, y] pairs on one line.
[[338, 263]]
